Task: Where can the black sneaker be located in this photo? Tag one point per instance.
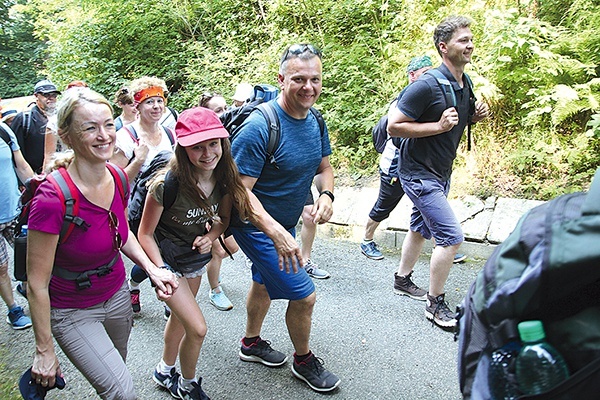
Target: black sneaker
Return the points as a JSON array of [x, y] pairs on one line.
[[22, 290], [438, 312], [195, 394], [315, 375], [403, 285], [164, 380], [262, 352], [135, 300]]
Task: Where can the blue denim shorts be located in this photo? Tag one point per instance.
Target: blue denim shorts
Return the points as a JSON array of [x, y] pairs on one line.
[[432, 215], [259, 248]]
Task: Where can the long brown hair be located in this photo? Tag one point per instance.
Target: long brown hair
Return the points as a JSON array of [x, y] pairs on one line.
[[227, 178]]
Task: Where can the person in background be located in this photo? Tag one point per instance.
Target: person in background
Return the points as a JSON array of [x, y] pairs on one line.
[[216, 295], [390, 189], [207, 185], [278, 196], [12, 166], [52, 143], [243, 92], [431, 135], [30, 126], [135, 153], [90, 324], [129, 112], [213, 101]]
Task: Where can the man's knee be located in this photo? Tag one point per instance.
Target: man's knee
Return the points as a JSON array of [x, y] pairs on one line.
[[306, 303]]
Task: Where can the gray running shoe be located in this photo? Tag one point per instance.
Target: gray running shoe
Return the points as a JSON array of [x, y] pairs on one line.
[[314, 271], [370, 250], [315, 375], [262, 352]]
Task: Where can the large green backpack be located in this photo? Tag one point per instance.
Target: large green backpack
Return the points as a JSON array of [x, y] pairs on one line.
[[547, 269]]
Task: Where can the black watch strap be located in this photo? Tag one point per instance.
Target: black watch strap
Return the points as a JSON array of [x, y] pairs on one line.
[[328, 193]]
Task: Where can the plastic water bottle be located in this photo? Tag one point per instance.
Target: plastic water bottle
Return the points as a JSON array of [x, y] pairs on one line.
[[24, 231], [502, 372], [540, 366]]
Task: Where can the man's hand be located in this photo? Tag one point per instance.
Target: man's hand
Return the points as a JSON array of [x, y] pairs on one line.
[[322, 210], [448, 120], [482, 110], [288, 251]]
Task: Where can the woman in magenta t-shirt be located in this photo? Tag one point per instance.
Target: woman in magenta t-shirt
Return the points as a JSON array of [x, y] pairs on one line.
[[95, 321]]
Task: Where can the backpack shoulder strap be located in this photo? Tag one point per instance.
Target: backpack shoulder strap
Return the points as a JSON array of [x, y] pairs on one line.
[[5, 136], [121, 180], [320, 119], [170, 135], [171, 187], [274, 132], [131, 130], [445, 85], [173, 113], [68, 194]]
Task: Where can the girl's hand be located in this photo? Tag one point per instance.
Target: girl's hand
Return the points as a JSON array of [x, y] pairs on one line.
[[203, 244]]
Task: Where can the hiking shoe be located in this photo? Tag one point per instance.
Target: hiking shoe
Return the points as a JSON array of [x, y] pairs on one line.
[[315, 375], [403, 285], [219, 300], [314, 271], [438, 312], [17, 318], [195, 394], [135, 300], [21, 290], [164, 380], [167, 312], [458, 258], [371, 251], [262, 352]]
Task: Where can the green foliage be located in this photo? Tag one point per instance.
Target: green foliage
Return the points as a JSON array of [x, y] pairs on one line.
[[535, 64], [21, 54]]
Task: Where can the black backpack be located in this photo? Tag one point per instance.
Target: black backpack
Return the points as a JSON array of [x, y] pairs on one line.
[[140, 189], [547, 269], [233, 119]]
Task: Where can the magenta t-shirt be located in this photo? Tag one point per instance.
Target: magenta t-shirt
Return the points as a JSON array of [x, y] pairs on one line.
[[84, 249]]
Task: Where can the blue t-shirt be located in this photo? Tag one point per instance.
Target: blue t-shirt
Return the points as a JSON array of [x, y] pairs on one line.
[[282, 191], [9, 185], [431, 157]]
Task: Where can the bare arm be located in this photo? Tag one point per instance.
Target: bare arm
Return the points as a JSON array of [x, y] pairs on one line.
[[285, 244], [400, 125], [23, 169], [322, 210], [39, 272]]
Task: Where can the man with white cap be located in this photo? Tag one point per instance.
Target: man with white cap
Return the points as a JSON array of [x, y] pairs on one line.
[[30, 126]]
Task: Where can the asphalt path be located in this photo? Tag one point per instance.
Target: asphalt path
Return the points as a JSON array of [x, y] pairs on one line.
[[379, 344]]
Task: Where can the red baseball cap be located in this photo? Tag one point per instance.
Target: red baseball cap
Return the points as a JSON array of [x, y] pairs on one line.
[[197, 125]]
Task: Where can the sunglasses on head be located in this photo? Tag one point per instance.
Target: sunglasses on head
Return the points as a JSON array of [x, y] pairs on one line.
[[297, 49]]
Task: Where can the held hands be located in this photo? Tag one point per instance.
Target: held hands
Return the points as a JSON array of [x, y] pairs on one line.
[[448, 120], [482, 110], [45, 368], [166, 282]]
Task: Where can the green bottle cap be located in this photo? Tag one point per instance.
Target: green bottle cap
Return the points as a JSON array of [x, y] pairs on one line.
[[531, 331]]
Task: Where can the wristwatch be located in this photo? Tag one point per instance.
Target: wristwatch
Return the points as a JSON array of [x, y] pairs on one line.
[[328, 193]]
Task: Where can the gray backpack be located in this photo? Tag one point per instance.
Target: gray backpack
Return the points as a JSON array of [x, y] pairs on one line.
[[548, 269]]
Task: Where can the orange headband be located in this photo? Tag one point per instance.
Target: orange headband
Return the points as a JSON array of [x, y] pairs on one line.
[[144, 94]]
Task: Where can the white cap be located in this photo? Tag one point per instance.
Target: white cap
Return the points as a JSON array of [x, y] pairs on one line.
[[243, 92]]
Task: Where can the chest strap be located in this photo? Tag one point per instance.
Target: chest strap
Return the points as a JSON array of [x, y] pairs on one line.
[[82, 279]]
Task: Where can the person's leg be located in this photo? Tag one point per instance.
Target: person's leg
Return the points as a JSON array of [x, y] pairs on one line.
[[298, 319], [216, 295], [81, 335], [411, 250], [390, 194], [442, 259], [16, 316], [257, 306], [308, 234]]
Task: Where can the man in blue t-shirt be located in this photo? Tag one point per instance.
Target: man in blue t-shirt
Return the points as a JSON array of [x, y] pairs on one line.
[[433, 133], [278, 196]]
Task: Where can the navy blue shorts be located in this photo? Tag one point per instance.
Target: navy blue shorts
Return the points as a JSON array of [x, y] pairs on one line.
[[259, 248], [390, 194], [432, 215]]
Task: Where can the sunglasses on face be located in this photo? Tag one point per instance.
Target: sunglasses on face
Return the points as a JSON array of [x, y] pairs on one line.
[[113, 223], [297, 49], [50, 95]]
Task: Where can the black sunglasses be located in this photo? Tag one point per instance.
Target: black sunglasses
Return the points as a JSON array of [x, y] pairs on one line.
[[113, 222], [297, 49]]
